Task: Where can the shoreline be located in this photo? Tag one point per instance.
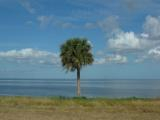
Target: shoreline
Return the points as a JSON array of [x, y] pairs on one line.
[[81, 97], [69, 100]]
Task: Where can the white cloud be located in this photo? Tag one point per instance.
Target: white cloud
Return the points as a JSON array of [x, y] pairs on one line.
[[144, 35], [44, 20], [129, 41], [113, 58], [155, 52], [152, 27], [144, 43], [54, 21], [141, 59], [116, 59], [99, 61], [120, 41], [24, 53], [31, 56], [125, 41], [27, 5]]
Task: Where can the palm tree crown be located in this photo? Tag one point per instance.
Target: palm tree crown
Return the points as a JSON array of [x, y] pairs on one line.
[[76, 53]]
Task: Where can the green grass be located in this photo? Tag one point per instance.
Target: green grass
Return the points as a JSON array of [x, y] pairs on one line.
[[75, 101], [63, 108]]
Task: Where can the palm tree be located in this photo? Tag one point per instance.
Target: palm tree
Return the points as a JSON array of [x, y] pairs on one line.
[[76, 53]]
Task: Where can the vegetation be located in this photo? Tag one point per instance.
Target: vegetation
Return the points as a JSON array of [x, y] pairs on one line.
[[76, 53], [61, 108]]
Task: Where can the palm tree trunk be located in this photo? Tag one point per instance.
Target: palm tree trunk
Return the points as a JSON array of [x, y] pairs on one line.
[[78, 82]]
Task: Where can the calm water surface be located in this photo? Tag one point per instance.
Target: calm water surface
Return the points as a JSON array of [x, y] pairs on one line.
[[89, 87]]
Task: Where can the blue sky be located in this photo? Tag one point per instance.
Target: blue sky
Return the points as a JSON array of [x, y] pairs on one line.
[[125, 36]]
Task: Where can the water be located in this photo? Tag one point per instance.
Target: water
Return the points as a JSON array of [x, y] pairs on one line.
[[89, 88]]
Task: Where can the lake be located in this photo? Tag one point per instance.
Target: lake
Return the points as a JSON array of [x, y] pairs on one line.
[[89, 87]]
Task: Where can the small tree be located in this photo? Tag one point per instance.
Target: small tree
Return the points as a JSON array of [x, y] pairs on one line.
[[76, 53]]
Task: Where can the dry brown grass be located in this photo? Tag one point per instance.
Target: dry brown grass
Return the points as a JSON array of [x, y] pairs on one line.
[[22, 108]]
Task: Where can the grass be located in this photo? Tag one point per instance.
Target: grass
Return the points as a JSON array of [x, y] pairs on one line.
[[62, 108]]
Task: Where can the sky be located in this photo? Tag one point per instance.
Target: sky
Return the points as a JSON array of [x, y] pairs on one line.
[[124, 34]]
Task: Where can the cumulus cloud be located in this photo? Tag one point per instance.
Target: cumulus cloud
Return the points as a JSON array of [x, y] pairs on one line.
[[152, 35], [113, 58], [121, 41], [152, 27], [125, 41], [155, 52], [152, 54], [31, 56], [27, 5]]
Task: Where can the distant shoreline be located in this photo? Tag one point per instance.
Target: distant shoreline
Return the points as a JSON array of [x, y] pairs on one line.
[[75, 97], [81, 79]]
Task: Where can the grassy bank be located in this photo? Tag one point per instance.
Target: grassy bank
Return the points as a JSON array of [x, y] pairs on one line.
[[60, 108]]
